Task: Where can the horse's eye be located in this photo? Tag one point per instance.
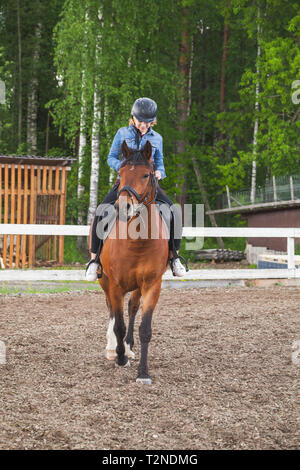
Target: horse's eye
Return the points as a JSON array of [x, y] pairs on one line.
[[146, 176]]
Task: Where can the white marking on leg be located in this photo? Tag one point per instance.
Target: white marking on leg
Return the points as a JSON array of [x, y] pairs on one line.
[[128, 351], [144, 381], [111, 341]]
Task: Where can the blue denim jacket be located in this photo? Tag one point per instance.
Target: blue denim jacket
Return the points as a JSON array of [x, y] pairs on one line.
[[135, 141]]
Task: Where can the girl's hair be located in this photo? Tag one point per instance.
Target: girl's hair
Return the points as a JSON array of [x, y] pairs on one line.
[[131, 122]]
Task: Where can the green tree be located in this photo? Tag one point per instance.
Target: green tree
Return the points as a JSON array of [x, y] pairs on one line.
[[276, 141]]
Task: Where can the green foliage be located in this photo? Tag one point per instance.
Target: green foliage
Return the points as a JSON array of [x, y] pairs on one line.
[[71, 253], [173, 52], [277, 149], [238, 244], [252, 266]]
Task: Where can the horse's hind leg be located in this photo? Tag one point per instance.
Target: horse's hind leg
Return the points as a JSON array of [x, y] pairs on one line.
[[133, 306], [150, 298]]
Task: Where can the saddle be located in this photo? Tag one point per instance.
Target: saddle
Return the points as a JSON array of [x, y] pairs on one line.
[[109, 223]]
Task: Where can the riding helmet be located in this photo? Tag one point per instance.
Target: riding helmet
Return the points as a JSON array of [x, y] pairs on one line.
[[144, 110]]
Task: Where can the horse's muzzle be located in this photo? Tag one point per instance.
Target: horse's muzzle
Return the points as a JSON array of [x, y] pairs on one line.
[[125, 211]]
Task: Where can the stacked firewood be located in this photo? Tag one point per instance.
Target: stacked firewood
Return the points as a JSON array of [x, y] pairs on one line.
[[220, 255]]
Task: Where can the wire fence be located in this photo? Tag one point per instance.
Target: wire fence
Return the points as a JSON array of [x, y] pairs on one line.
[[280, 188]]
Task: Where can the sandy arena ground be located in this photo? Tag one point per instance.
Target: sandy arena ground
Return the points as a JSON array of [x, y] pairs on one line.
[[224, 372]]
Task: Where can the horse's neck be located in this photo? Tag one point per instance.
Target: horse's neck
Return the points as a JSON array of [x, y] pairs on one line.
[[146, 226]]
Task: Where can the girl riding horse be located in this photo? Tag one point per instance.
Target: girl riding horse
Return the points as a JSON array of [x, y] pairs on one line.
[[139, 131]]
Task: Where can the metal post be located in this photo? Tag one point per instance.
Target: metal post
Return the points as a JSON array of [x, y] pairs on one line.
[[274, 189], [292, 188]]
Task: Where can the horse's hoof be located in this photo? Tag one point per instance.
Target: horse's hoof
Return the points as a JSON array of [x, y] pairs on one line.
[[124, 363], [110, 354], [144, 380]]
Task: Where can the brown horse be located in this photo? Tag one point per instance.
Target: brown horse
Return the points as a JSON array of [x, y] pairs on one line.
[[132, 264]]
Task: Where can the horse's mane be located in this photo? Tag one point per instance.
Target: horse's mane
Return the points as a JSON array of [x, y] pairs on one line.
[[136, 158]]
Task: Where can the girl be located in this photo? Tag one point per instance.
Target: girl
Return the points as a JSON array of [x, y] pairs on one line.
[[143, 117]]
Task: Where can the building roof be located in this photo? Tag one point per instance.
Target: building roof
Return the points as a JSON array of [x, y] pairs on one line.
[[251, 208], [36, 160]]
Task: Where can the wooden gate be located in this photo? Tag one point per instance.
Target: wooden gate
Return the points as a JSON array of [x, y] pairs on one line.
[[32, 191]]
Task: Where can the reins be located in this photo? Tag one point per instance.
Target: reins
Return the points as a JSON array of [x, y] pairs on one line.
[[141, 198]]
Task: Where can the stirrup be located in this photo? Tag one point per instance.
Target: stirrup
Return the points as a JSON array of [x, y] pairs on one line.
[[96, 260], [100, 274]]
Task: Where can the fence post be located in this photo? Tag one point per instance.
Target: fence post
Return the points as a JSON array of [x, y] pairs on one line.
[[291, 252]]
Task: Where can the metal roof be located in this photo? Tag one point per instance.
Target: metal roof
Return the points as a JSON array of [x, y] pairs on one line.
[[37, 160], [267, 206]]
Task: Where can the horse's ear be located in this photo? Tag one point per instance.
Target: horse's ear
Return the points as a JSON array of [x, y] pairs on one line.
[[125, 149], [147, 150]]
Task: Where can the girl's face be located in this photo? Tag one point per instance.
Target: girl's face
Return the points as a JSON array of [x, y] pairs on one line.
[[141, 126]]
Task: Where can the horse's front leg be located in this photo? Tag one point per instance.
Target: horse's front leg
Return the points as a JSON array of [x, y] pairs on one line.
[[110, 350], [133, 306], [119, 328], [150, 298]]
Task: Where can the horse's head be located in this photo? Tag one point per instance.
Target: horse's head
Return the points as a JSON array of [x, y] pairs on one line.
[[137, 181]]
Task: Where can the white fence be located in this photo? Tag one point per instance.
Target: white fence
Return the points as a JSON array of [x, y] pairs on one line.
[[201, 274]]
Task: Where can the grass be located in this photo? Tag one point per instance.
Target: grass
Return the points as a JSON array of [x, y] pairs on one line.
[[61, 268], [56, 287]]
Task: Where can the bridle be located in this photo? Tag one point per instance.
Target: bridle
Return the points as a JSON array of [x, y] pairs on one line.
[[143, 199]]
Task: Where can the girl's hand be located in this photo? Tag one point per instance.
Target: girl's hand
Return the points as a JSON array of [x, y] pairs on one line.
[[157, 174]]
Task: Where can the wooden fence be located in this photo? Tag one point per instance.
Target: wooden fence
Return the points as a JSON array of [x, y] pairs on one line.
[[31, 194]]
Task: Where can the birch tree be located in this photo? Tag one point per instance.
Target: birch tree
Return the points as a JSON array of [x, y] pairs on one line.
[[82, 140], [95, 160], [82, 144], [32, 105], [81, 152], [256, 110]]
